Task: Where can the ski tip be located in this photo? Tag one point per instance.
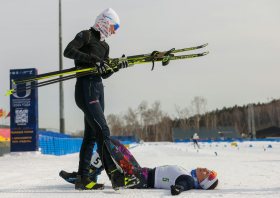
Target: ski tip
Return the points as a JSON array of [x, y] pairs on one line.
[[205, 53], [9, 92], [205, 45]]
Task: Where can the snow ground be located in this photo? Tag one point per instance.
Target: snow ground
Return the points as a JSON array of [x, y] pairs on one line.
[[247, 172]]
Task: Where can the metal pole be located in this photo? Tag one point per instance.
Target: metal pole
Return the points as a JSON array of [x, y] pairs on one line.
[[61, 95]]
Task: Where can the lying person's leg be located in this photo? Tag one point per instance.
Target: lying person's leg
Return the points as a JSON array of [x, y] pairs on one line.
[[125, 151], [121, 154], [143, 177]]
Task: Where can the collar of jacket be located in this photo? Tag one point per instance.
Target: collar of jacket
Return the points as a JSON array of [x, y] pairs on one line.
[[95, 33]]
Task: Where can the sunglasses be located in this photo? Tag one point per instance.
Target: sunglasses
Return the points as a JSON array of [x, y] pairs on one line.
[[116, 24]]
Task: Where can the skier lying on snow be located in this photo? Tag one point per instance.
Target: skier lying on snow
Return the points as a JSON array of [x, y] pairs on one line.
[[175, 177]]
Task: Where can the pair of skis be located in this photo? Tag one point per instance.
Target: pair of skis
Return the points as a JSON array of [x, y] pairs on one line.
[[114, 63]]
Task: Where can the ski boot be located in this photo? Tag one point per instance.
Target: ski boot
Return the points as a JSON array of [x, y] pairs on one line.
[[83, 182], [69, 177], [94, 172], [119, 180]]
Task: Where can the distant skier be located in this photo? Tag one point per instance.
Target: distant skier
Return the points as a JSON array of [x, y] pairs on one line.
[[195, 138], [89, 49], [174, 178]]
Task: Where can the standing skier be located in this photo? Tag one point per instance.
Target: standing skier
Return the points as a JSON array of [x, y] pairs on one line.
[[89, 49], [195, 138]]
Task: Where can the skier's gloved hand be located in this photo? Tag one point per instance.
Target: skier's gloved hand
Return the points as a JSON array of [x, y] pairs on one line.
[[116, 69], [100, 64], [102, 67], [175, 190], [123, 64], [113, 69]]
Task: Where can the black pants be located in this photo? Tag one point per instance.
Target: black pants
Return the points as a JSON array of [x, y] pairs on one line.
[[89, 96], [195, 142]]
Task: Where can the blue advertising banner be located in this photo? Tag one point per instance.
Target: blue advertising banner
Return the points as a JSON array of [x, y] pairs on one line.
[[24, 113]]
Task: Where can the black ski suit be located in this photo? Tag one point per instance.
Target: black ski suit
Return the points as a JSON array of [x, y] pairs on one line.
[[89, 94]]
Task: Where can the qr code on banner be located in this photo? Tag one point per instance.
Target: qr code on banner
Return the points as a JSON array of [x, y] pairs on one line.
[[21, 116]]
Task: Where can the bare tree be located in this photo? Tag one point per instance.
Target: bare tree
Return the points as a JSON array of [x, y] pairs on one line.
[[213, 118], [183, 115], [166, 127], [207, 119], [245, 120], [116, 124], [157, 115], [142, 108], [278, 111], [198, 106], [225, 117], [131, 121], [257, 112], [147, 118], [152, 124], [271, 113], [112, 121], [237, 116]]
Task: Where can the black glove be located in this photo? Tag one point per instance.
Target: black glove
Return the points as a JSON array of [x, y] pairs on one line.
[[175, 190], [100, 64], [114, 69], [102, 67], [123, 64]]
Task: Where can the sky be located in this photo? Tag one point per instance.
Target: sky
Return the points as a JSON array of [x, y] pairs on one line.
[[242, 66]]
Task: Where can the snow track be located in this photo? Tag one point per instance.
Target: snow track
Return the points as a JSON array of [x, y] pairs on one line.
[[244, 172]]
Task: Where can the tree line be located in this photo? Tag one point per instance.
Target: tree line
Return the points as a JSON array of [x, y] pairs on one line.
[[151, 123]]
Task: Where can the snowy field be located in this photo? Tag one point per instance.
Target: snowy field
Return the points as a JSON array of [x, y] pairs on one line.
[[243, 171]]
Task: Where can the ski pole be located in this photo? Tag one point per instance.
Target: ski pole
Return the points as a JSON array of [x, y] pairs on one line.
[[42, 75], [12, 91], [149, 54], [51, 74]]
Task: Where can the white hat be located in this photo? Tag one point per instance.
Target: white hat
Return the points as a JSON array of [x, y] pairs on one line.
[[111, 14], [104, 20]]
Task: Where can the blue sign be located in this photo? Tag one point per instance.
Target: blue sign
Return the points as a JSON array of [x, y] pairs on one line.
[[24, 113]]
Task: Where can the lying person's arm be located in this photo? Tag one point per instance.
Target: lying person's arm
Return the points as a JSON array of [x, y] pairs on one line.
[[182, 183]]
